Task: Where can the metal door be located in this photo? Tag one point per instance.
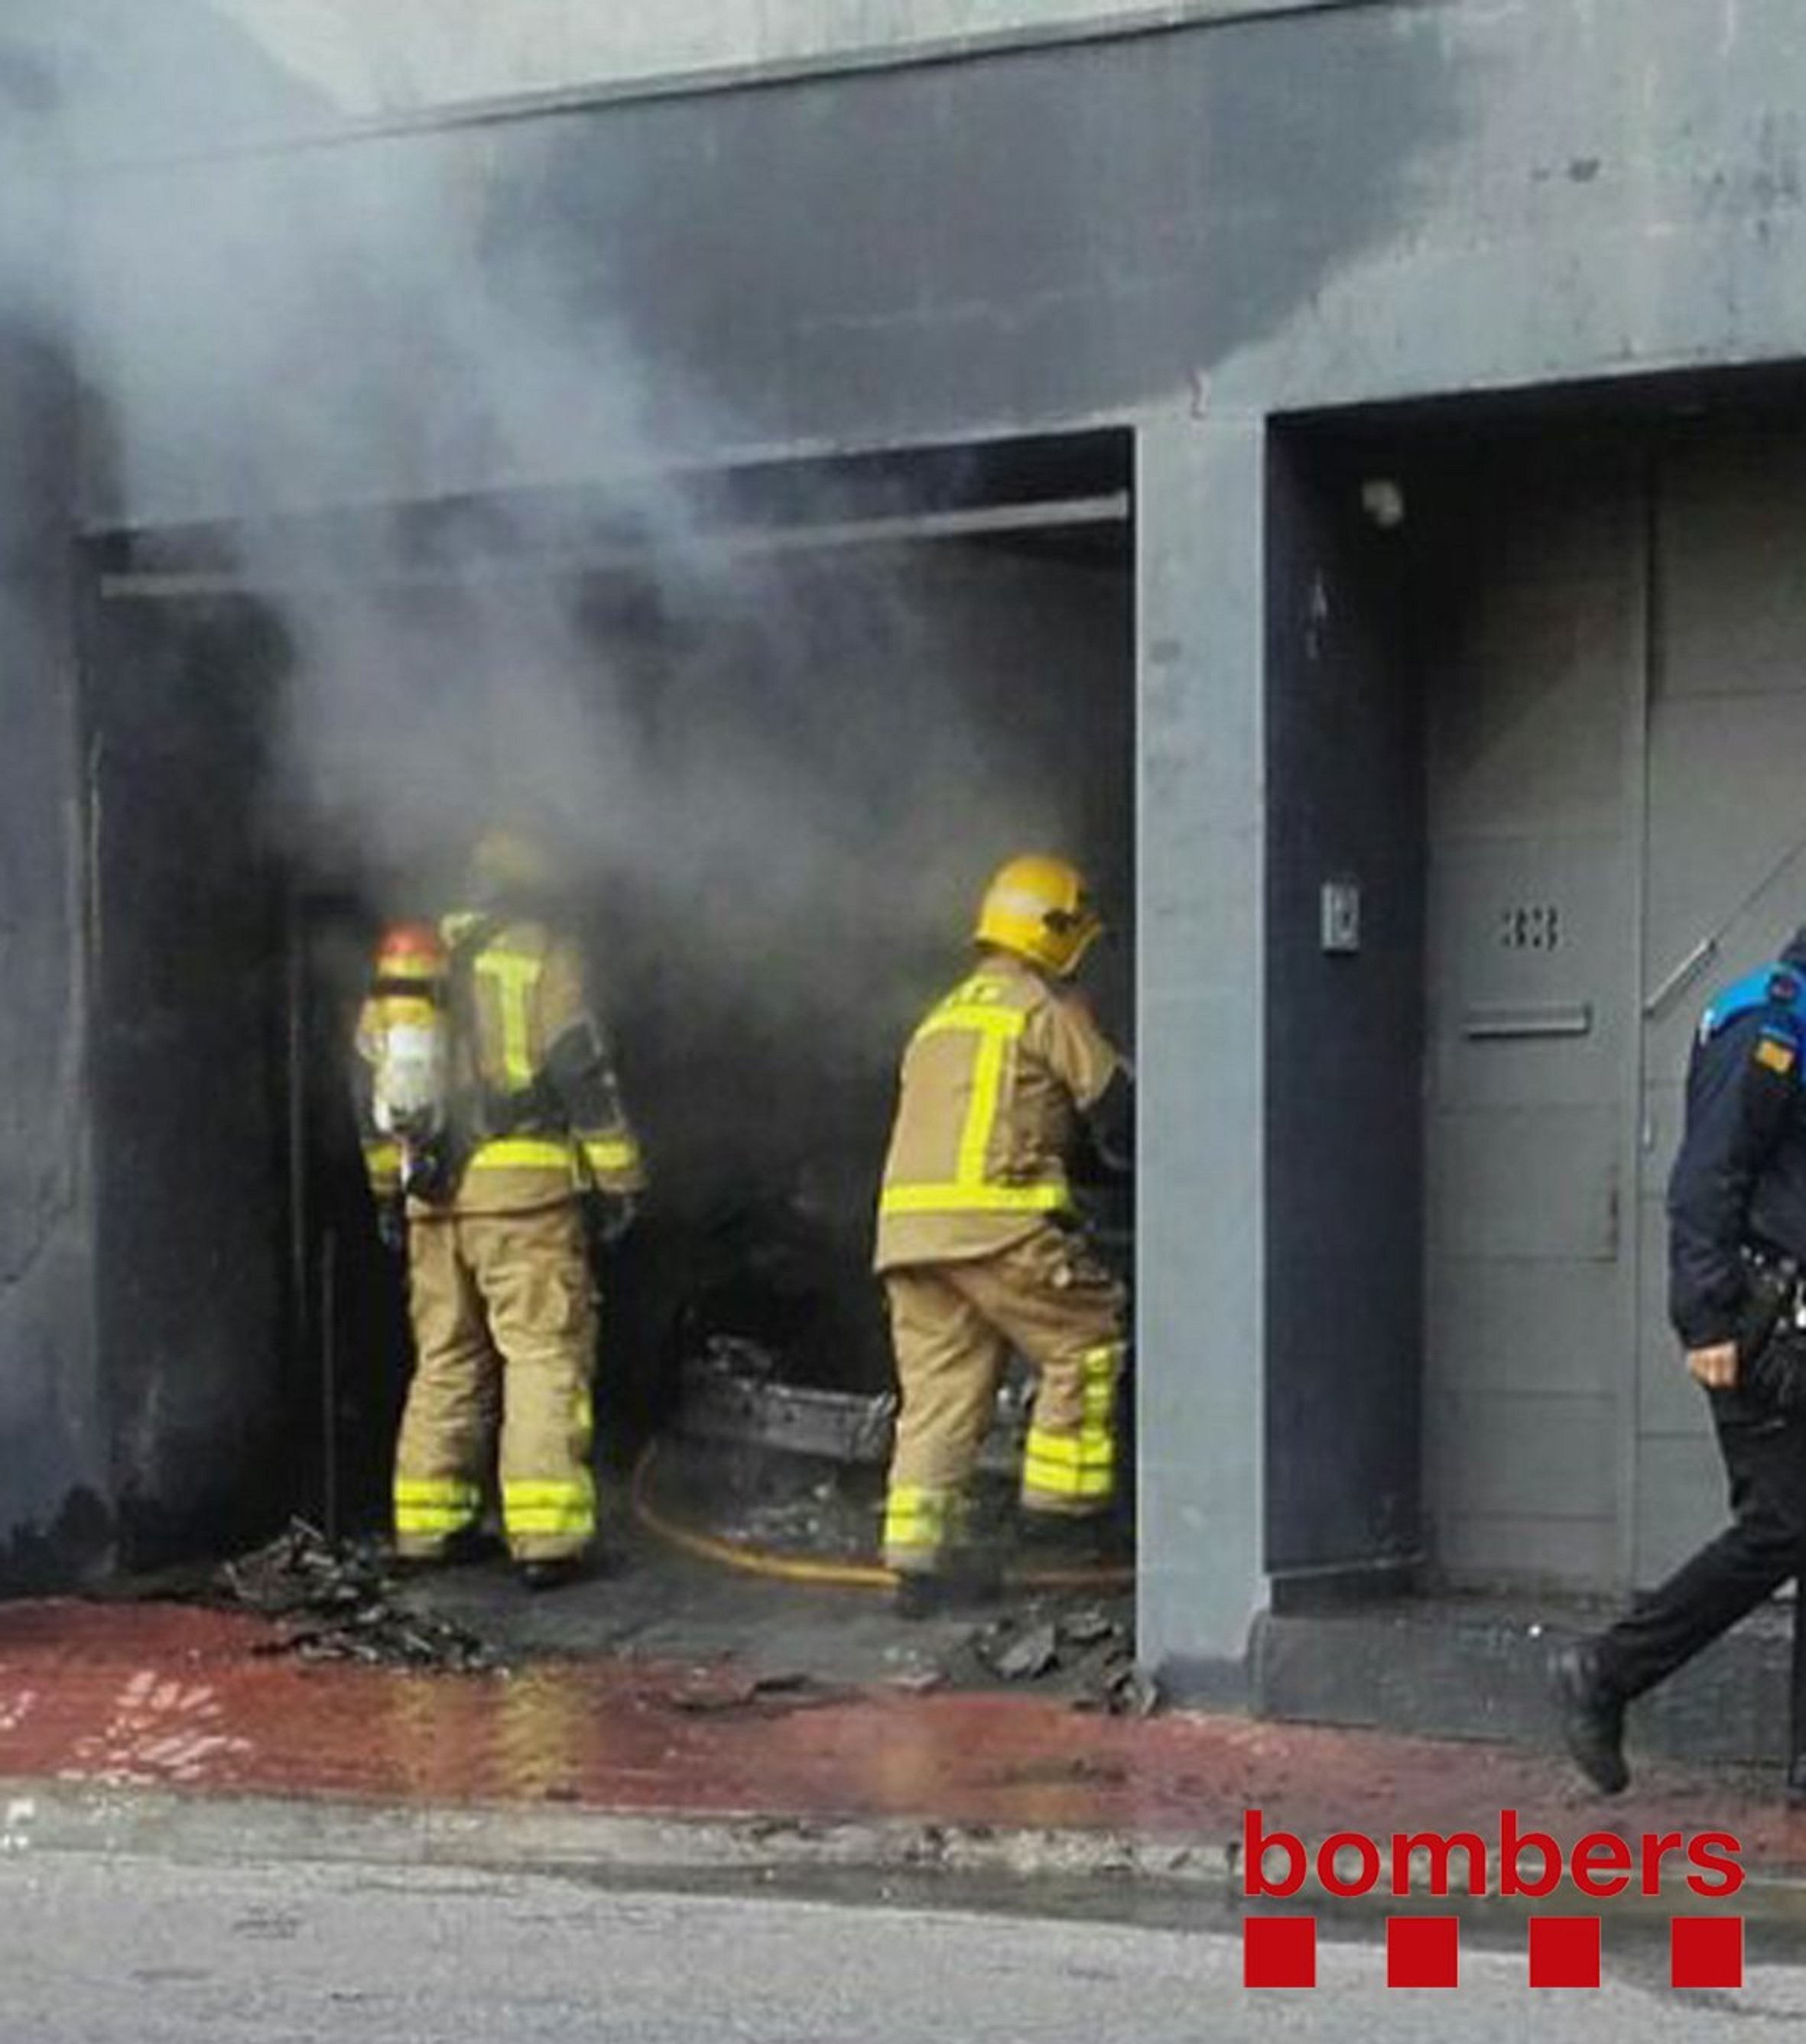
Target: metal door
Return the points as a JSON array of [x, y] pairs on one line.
[[1726, 861], [1535, 722]]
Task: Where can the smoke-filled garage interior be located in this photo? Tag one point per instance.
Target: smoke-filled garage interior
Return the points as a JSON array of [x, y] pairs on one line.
[[778, 726]]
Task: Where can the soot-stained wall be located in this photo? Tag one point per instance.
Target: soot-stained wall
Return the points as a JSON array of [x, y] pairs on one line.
[[1345, 1032], [187, 1068], [54, 1513]]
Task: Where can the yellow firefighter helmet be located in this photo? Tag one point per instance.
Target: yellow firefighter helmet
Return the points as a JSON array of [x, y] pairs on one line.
[[505, 861], [1037, 907]]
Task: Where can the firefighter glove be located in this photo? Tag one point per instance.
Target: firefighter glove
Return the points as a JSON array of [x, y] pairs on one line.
[[391, 1225]]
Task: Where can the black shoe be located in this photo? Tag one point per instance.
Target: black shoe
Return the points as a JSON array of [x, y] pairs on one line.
[[1066, 1540], [554, 1574], [458, 1550], [1592, 1716], [936, 1592]]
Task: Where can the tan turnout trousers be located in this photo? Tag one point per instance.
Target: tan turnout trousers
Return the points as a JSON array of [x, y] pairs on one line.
[[504, 1329], [499, 1284], [952, 1326]]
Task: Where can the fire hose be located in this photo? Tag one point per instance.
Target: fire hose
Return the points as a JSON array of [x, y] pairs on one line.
[[779, 1567]]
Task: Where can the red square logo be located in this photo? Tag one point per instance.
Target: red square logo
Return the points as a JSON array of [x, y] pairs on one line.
[[1564, 1951], [1279, 1951], [1706, 1951], [1423, 1951]]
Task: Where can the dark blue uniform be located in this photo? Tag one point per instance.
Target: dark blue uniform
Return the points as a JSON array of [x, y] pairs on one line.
[[1739, 1185], [1740, 1179]]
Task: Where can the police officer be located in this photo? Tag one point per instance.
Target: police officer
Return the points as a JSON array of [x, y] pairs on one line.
[[1737, 1222]]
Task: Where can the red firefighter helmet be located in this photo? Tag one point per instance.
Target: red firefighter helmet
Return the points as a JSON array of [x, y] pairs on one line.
[[411, 958]]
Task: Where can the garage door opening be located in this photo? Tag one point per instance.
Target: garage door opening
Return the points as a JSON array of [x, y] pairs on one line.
[[778, 753]]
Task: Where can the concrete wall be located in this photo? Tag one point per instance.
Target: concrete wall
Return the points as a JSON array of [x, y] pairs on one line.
[[1344, 1031], [1018, 242], [185, 1068], [53, 1450], [1184, 233], [421, 58]]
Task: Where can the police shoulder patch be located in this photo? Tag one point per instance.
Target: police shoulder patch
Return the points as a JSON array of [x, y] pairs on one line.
[[1777, 1051]]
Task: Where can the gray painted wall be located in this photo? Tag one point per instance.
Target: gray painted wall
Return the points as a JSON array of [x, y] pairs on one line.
[[1308, 209], [1187, 233], [1345, 776], [53, 1446], [421, 58], [186, 1070]]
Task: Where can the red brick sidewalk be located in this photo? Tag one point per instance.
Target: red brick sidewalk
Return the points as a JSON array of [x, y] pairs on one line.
[[175, 1698]]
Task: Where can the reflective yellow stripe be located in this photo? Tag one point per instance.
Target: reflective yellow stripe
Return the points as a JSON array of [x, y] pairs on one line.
[[1095, 1487], [1082, 1465], [1050, 1197], [1049, 1480], [547, 1490], [611, 1153], [383, 1165], [1075, 1450], [919, 1519], [435, 1504], [999, 1022], [1101, 1366], [522, 1153], [981, 1114], [562, 1506], [437, 1490], [968, 1191], [514, 975], [432, 1518]]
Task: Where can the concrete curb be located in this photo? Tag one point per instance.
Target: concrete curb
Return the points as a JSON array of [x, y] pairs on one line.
[[61, 1816], [136, 1820]]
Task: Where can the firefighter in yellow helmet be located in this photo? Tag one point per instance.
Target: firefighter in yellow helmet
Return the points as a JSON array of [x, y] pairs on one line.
[[536, 1154], [974, 1242]]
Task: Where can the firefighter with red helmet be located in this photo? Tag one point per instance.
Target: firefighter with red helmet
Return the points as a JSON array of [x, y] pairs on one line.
[[532, 1156]]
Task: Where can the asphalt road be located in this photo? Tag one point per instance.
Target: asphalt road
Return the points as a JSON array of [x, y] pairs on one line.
[[94, 1950]]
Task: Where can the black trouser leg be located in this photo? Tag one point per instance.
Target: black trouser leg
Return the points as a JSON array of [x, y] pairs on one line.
[[1765, 1458]]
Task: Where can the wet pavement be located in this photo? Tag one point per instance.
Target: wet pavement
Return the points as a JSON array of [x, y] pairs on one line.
[[159, 1697]]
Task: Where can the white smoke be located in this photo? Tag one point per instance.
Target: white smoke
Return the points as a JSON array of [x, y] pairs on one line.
[[409, 429]]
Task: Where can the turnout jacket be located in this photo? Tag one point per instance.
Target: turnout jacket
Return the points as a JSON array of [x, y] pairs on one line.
[[994, 1082], [536, 1112]]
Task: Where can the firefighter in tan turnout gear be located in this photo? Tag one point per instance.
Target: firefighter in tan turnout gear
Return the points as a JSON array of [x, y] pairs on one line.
[[534, 1153], [976, 1242]]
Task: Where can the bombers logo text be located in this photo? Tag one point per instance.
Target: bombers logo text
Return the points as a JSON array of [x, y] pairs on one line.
[[1423, 1949]]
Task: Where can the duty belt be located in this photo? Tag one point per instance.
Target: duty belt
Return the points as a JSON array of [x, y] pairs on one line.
[[1771, 1331]]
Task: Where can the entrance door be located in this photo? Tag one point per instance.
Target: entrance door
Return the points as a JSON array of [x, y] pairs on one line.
[[1535, 726], [1727, 860]]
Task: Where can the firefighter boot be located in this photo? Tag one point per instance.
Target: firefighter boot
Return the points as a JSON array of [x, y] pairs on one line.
[[554, 1574], [959, 1584], [1592, 1716], [1058, 1540]]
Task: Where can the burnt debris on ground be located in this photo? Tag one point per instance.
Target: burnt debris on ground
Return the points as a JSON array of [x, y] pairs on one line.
[[338, 1600], [1083, 1650]]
